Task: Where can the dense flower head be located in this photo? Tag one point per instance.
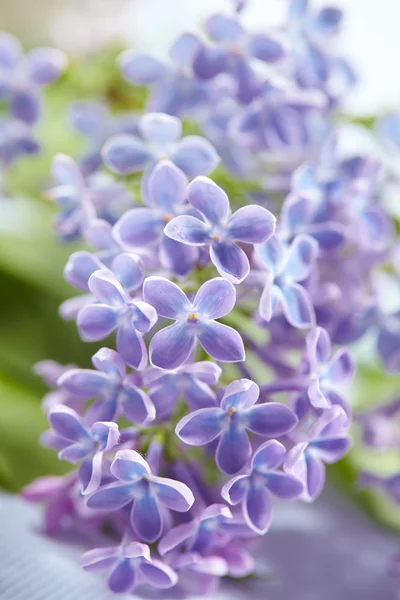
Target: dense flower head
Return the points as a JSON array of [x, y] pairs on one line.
[[227, 303]]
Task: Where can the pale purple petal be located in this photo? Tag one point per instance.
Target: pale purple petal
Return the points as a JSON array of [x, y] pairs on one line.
[[129, 465], [234, 449], [205, 371], [131, 346], [234, 490], [271, 419], [188, 230], [144, 316], [215, 299], [172, 346], [158, 575], [230, 261], [297, 306], [167, 186], [94, 480], [136, 405], [221, 342], [209, 199], [107, 289], [67, 423], [85, 383], [80, 266], [139, 227], [45, 65], [111, 497], [96, 322], [109, 362], [258, 509], [195, 155], [315, 475], [177, 536], [176, 257], [99, 559], [122, 578], [300, 258], [318, 346], [268, 456], [10, 50], [160, 129], [240, 394], [269, 299], [340, 370], [184, 49], [332, 449], [105, 434], [146, 518], [201, 426], [224, 29], [141, 69], [128, 269], [268, 48], [251, 224], [270, 254], [174, 494], [125, 154], [166, 297], [284, 486]]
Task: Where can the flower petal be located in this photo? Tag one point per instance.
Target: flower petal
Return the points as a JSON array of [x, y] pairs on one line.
[[94, 474], [146, 518], [224, 29], [99, 559], [235, 489], [172, 346], [297, 306], [158, 575], [122, 578], [184, 49], [268, 48], [174, 494], [96, 321], [67, 423], [125, 154], [257, 509], [176, 257], [284, 486], [209, 199], [268, 456], [111, 497], [85, 383], [139, 227], [166, 297], [240, 394], [315, 475], [160, 129], [106, 288], [271, 419], [270, 254], [300, 258], [129, 465], [176, 536], [201, 426], [80, 266], [109, 362], [252, 224], [332, 449], [215, 299], [167, 186], [221, 342], [230, 261], [187, 229], [128, 269], [141, 69], [340, 370], [318, 346], [45, 65], [195, 155], [131, 346], [234, 449], [136, 405], [144, 316]]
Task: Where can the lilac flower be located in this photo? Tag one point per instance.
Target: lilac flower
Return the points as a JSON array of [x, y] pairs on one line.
[[115, 391], [219, 230], [328, 442], [326, 373], [286, 268], [194, 321], [83, 445], [234, 53], [253, 489], [230, 423], [76, 209], [164, 198], [147, 493], [160, 139], [199, 574], [190, 381], [94, 121], [175, 89], [16, 139], [130, 564], [379, 426], [201, 535], [116, 311], [389, 484], [50, 372]]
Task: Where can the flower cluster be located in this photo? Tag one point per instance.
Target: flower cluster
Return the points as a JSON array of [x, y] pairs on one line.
[[175, 443]]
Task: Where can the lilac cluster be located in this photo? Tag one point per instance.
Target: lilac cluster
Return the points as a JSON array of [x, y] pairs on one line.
[[22, 78], [179, 452]]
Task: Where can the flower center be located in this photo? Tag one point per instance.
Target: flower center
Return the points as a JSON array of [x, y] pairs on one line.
[[216, 237], [231, 412], [193, 318], [167, 218]]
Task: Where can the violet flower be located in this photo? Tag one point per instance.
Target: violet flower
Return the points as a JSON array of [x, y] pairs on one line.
[[194, 321], [219, 230], [230, 422], [129, 565], [146, 492], [83, 445], [253, 490]]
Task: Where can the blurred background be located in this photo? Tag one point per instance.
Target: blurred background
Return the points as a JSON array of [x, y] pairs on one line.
[[31, 261]]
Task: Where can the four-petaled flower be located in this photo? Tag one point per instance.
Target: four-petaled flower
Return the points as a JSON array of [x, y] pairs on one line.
[[230, 422], [82, 444], [115, 310], [220, 230], [287, 267], [164, 198], [326, 373], [172, 346], [161, 133], [115, 391], [253, 489], [130, 564], [146, 492]]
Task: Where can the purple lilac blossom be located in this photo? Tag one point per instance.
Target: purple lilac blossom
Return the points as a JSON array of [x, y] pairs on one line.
[[220, 230], [229, 423], [194, 322]]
